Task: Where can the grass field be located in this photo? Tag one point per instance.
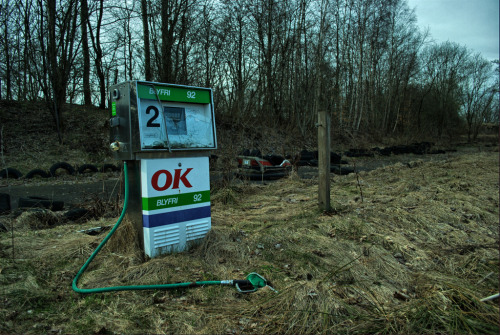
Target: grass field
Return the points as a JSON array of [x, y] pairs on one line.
[[407, 248]]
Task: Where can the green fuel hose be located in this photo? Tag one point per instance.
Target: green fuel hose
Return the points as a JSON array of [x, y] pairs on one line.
[[253, 282]]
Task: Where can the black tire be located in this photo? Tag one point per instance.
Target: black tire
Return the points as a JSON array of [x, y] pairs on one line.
[[313, 162], [109, 167], [87, 167], [76, 214], [61, 165], [10, 173], [335, 158], [40, 202], [37, 172], [4, 203], [274, 159], [341, 170], [307, 155], [245, 152], [256, 153]]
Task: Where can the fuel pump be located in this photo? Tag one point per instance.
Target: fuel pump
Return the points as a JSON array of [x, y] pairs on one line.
[[162, 133]]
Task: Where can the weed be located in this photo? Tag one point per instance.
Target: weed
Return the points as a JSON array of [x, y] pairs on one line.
[[407, 259]]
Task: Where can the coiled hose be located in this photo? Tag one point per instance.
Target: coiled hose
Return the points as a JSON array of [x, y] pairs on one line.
[[253, 282]]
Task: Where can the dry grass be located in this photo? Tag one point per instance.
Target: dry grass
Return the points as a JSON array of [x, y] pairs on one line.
[[412, 257], [34, 141]]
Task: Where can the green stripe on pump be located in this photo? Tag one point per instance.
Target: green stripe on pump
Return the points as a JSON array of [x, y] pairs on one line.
[[174, 93], [169, 201]]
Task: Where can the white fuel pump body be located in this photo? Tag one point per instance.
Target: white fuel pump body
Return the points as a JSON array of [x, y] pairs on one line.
[[168, 131], [175, 203]]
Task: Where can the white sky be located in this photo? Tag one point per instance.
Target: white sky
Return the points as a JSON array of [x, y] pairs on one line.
[[473, 23]]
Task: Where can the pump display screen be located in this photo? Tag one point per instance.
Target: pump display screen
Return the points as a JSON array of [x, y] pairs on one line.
[[174, 117]]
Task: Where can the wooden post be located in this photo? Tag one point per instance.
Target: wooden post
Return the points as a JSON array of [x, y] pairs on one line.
[[324, 160]]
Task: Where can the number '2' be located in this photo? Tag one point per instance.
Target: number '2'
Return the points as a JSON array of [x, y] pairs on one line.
[[151, 122]]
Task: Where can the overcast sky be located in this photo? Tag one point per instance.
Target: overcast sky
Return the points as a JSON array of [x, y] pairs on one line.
[[473, 23]]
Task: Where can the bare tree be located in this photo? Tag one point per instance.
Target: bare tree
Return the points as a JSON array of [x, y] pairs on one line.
[[84, 17], [446, 63], [273, 60], [171, 12], [479, 93], [95, 37], [145, 29], [6, 11], [59, 55]]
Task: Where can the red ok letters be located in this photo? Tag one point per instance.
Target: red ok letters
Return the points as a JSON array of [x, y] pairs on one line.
[[174, 182]]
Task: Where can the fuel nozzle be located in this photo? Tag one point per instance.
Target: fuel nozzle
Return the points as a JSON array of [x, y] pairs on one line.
[[115, 146], [252, 283]]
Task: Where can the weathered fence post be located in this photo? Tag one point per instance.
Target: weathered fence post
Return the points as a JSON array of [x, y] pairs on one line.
[[324, 160]]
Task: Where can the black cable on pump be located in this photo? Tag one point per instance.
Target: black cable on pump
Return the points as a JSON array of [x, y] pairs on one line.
[[163, 114]]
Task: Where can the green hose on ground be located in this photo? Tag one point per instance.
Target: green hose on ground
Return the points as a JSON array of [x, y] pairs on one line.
[[253, 282]]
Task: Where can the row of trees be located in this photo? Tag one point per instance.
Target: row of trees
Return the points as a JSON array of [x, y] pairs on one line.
[[280, 61]]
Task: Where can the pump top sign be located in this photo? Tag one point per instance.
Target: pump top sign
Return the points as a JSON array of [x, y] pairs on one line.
[[173, 93], [152, 117]]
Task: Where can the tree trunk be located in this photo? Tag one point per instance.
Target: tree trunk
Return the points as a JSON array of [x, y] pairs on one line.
[[166, 43], [52, 60], [145, 29], [8, 69], [96, 43], [86, 54]]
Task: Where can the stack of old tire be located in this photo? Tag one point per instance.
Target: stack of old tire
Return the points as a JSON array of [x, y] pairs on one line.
[[11, 173], [36, 202], [419, 148], [337, 164], [41, 208]]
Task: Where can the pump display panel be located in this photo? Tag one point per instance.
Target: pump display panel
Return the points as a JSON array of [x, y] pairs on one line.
[[179, 117], [148, 117]]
